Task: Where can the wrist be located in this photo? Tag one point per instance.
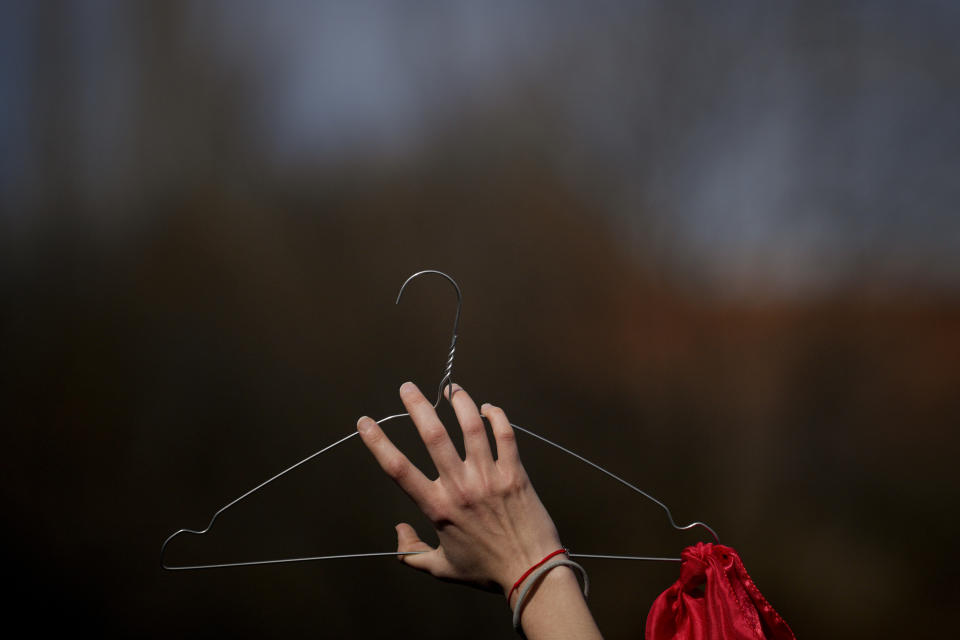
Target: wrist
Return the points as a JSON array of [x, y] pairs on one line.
[[525, 556], [550, 591], [560, 577], [532, 568]]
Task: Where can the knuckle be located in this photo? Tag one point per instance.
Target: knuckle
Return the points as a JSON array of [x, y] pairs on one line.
[[521, 482], [515, 482], [466, 500], [464, 496], [435, 511], [434, 436], [507, 436], [473, 428], [397, 468]]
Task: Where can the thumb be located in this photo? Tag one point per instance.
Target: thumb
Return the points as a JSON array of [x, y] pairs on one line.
[[408, 540]]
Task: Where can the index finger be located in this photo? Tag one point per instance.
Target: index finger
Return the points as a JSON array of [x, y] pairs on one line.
[[393, 462]]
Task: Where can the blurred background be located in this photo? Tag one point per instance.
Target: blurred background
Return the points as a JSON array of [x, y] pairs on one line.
[[711, 246]]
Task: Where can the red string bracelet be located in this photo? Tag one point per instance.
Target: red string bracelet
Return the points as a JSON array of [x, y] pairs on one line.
[[532, 569]]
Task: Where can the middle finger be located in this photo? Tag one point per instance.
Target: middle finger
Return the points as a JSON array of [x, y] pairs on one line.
[[432, 432], [475, 441]]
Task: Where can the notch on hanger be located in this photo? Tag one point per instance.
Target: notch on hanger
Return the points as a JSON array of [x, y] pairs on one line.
[[446, 380]]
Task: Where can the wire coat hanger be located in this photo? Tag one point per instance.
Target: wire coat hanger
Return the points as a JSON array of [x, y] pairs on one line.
[[446, 380]]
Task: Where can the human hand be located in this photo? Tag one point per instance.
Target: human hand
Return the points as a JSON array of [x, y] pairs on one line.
[[489, 521]]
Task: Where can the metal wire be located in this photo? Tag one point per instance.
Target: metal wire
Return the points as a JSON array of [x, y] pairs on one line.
[[447, 380], [448, 368], [628, 485]]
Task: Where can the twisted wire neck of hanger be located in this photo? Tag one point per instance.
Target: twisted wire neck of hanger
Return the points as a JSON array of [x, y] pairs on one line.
[[446, 380]]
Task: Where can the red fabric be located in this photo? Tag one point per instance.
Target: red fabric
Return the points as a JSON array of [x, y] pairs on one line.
[[714, 599]]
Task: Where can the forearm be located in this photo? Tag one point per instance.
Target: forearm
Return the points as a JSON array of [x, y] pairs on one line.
[[555, 609]]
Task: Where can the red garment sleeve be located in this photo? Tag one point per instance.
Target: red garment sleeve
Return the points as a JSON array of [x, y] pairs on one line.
[[714, 599]]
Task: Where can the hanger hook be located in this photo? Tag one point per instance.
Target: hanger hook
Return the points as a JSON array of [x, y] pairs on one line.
[[447, 378]]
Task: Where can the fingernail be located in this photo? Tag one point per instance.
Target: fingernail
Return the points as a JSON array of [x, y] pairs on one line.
[[364, 425], [407, 386]]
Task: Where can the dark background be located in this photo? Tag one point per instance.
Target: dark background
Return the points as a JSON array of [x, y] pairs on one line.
[[711, 246]]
